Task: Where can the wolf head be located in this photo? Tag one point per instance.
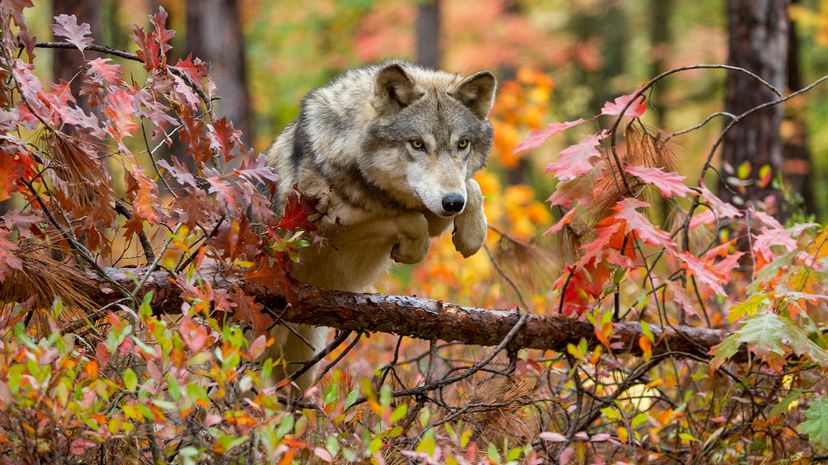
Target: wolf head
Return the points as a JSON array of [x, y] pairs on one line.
[[431, 133]]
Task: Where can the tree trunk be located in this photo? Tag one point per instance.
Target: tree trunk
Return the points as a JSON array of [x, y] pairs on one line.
[[67, 63], [758, 42], [214, 34], [660, 37], [428, 34], [797, 165]]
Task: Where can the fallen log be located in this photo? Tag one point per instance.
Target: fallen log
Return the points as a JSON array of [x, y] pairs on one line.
[[421, 318]]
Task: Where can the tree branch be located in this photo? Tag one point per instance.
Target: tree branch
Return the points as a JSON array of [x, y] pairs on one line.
[[424, 318]]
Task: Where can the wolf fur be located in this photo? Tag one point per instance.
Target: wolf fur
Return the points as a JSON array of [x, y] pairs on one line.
[[390, 151]]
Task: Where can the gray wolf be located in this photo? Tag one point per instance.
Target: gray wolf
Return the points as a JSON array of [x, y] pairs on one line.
[[390, 151]]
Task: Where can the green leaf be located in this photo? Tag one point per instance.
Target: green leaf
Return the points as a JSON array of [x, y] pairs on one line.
[[173, 387], [783, 404], [688, 437], [427, 444], [763, 333], [285, 426], [639, 419], [352, 397], [146, 310], [768, 333], [756, 302], [816, 423], [130, 379], [166, 405], [492, 452], [743, 171], [399, 413]]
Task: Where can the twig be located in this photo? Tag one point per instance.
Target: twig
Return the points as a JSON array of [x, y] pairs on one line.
[[94, 48], [313, 361], [339, 357], [420, 390], [128, 56], [142, 237]]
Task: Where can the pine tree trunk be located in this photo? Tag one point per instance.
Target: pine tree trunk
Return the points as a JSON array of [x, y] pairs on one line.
[[797, 158], [428, 34], [758, 41], [66, 63], [214, 34]]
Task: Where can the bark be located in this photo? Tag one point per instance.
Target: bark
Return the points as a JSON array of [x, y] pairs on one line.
[[660, 38], [424, 318], [796, 156], [428, 34], [758, 41], [214, 34]]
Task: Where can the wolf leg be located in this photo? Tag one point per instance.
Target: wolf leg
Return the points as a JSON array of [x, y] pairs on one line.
[[412, 237], [470, 226], [437, 224]]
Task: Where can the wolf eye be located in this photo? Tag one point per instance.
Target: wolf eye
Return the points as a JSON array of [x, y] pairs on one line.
[[462, 143], [417, 144]]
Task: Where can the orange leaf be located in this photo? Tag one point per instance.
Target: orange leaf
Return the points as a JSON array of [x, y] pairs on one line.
[[91, 369]]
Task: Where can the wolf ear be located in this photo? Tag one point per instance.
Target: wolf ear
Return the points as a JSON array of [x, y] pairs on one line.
[[394, 87], [477, 92]]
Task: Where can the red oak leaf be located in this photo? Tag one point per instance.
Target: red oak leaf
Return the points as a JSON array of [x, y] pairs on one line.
[[120, 109], [639, 223], [617, 106], [669, 184], [256, 169], [162, 34], [25, 224], [561, 223], [194, 335], [181, 174], [580, 286], [11, 171], [14, 9], [76, 34], [153, 46], [766, 219], [195, 70], [145, 195], [100, 71], [225, 190], [183, 89], [703, 272], [721, 208], [577, 159], [8, 260], [297, 210], [537, 138], [79, 446], [223, 137]]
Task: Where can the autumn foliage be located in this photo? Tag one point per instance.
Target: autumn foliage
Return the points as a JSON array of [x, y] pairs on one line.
[[136, 174]]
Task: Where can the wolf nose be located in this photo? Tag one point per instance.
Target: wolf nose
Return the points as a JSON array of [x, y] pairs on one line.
[[453, 203]]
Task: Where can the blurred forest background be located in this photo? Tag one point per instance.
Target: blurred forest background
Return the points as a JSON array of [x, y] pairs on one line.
[[557, 60]]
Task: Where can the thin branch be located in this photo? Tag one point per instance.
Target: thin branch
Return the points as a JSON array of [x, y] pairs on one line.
[[142, 236], [313, 361]]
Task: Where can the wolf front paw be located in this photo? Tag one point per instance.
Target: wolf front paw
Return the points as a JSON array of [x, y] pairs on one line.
[[470, 226], [413, 243], [410, 252]]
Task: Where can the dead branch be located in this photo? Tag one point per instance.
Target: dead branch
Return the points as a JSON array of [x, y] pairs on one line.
[[422, 318]]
